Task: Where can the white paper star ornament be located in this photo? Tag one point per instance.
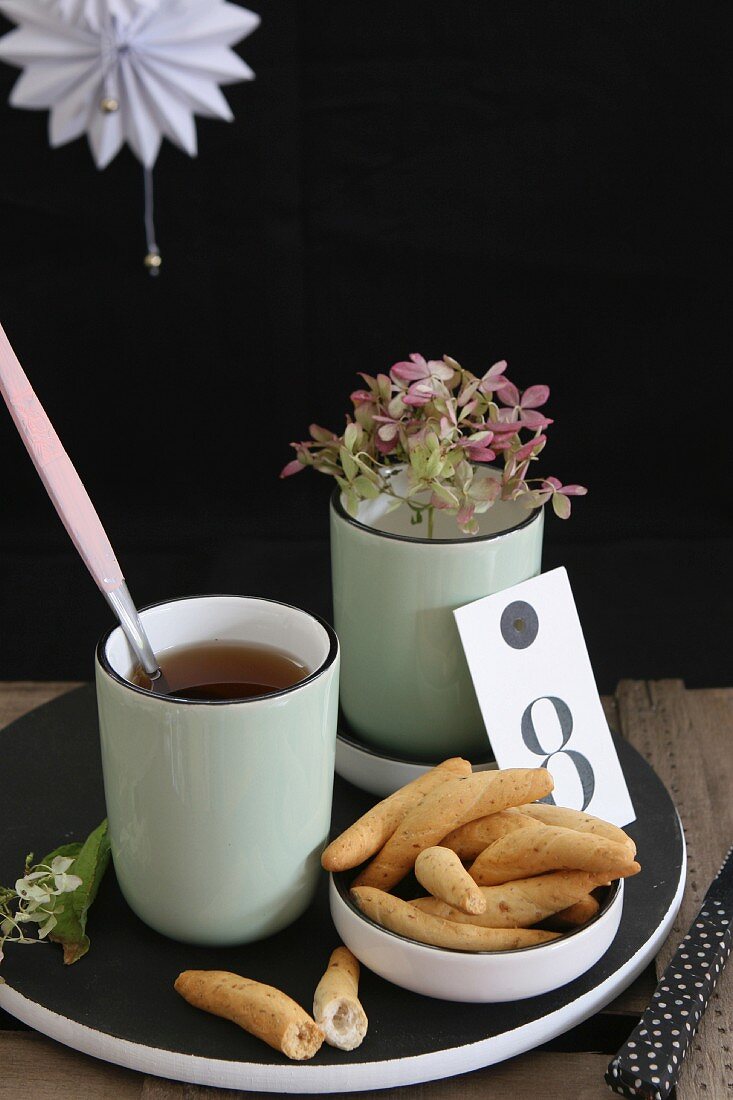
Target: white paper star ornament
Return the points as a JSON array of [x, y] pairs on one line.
[[132, 71]]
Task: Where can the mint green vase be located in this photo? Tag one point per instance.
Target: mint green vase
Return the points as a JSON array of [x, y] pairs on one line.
[[405, 686]]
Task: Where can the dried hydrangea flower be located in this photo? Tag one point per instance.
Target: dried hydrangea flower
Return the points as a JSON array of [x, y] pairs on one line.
[[440, 424]]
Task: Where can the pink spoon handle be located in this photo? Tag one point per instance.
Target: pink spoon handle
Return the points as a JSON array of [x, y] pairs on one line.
[[57, 472]]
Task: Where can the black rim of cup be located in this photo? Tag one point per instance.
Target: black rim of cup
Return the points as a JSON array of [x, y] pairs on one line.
[[333, 646]]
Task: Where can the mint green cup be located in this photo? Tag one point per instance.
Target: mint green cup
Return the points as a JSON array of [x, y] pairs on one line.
[[218, 811], [405, 684]]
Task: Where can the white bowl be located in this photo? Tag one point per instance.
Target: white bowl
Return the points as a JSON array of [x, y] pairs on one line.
[[378, 773], [475, 976]]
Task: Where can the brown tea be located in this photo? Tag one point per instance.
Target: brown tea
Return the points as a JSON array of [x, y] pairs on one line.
[[225, 670]]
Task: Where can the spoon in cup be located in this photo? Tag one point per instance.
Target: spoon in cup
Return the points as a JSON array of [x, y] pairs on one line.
[[75, 509]]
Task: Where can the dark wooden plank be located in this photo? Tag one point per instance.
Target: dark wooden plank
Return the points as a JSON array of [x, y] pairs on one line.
[[687, 737], [528, 1077], [39, 1069], [20, 696]]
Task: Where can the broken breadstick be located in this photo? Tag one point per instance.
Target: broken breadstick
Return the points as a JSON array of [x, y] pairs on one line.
[[528, 852], [367, 835], [451, 804], [470, 839], [260, 1009], [336, 1006], [576, 819], [522, 903], [401, 917], [575, 915], [441, 872]]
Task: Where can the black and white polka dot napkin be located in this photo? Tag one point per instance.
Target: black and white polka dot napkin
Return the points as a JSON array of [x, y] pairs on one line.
[[649, 1064]]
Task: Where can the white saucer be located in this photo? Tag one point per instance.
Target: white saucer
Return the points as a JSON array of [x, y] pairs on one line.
[[378, 773]]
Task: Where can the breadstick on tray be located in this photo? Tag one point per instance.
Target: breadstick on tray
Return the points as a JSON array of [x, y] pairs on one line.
[[522, 903], [401, 917], [528, 852], [367, 835], [336, 1006], [452, 804], [575, 915], [470, 839], [441, 872], [262, 1010], [576, 819]]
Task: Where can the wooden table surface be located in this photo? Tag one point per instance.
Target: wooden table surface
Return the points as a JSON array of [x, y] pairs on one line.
[[688, 738]]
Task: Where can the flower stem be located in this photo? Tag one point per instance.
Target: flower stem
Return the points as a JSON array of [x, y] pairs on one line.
[[431, 517]]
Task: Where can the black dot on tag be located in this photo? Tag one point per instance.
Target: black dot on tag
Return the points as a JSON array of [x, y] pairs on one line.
[[519, 624]]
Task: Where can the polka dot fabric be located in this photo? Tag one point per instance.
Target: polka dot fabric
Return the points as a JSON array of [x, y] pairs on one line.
[[650, 1062]]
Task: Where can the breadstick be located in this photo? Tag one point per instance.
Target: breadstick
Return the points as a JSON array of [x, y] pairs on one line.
[[575, 915], [452, 804], [401, 917], [367, 835], [336, 1006], [522, 903], [528, 852], [575, 819], [260, 1009], [471, 839], [441, 872]]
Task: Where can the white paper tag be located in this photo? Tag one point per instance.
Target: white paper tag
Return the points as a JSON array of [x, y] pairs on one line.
[[538, 697]]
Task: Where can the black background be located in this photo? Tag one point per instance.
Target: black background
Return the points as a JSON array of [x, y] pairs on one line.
[[547, 183]]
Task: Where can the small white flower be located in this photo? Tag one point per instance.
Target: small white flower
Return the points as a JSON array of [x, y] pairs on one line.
[[24, 916], [61, 864], [29, 891], [66, 883], [47, 927]]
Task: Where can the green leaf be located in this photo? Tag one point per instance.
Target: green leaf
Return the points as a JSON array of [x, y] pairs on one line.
[[349, 466], [364, 416], [418, 461], [366, 488], [70, 850], [452, 460], [434, 465], [446, 494], [485, 489], [90, 863], [384, 387], [366, 469], [321, 435], [561, 505], [350, 436]]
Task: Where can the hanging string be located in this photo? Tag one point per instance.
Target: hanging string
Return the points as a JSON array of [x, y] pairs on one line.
[[153, 259]]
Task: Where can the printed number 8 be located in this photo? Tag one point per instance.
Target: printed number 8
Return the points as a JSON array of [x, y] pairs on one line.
[[532, 741]]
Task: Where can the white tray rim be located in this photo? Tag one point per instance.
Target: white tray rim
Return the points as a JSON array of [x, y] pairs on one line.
[[349, 1077]]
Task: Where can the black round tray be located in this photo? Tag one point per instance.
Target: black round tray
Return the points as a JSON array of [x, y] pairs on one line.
[[118, 1002]]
